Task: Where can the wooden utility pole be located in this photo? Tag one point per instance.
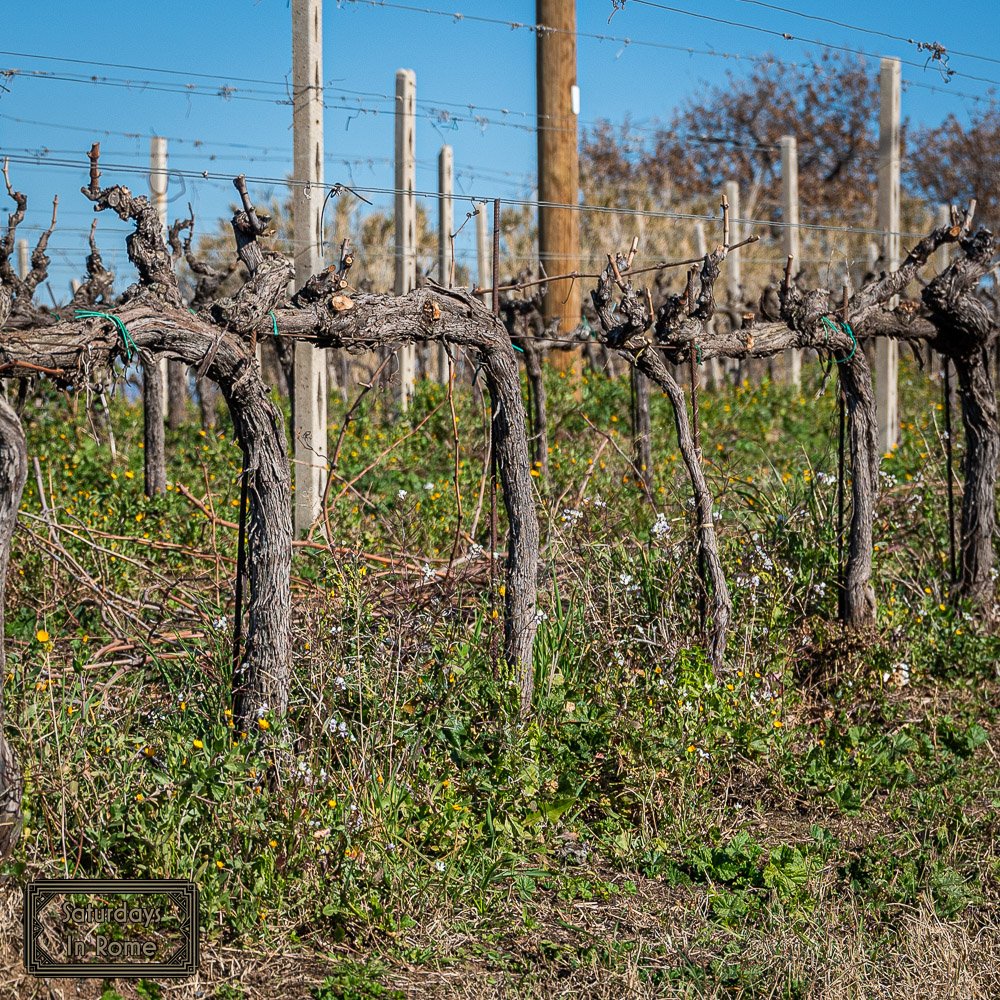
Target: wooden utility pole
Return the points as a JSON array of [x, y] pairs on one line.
[[173, 374], [715, 366], [942, 257], [700, 242], [734, 274], [155, 382], [23, 259], [446, 222], [309, 429], [406, 217], [886, 351], [484, 270], [558, 167], [790, 241]]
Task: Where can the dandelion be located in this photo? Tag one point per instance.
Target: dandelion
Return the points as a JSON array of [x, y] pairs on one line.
[[272, 843], [220, 865], [42, 636], [140, 797], [198, 745], [264, 724]]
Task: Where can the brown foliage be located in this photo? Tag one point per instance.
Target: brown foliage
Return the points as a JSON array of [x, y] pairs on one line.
[[731, 132], [960, 162]]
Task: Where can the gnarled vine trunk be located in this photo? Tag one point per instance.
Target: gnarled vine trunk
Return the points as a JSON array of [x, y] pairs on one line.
[[862, 430], [13, 473], [967, 333], [979, 469]]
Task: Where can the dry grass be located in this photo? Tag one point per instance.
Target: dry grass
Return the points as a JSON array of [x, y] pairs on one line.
[[657, 929]]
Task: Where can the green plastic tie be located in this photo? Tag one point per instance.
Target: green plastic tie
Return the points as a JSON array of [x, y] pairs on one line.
[[131, 347], [274, 321], [841, 327]]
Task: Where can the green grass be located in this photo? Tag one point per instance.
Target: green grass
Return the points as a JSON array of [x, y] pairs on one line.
[[818, 821]]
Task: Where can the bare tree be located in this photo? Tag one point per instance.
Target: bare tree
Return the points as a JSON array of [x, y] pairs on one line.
[[731, 131], [959, 162]]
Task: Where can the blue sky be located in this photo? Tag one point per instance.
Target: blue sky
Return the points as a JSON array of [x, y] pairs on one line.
[[457, 61]]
